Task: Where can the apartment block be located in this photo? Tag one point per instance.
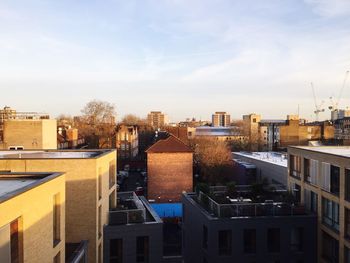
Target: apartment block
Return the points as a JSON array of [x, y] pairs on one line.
[[320, 178], [127, 141], [169, 169], [134, 233], [90, 189], [32, 217], [241, 229], [221, 119], [157, 119]]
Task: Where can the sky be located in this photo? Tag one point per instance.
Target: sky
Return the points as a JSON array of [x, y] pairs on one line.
[[185, 58]]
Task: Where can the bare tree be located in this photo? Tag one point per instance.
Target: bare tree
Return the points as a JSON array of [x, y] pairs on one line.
[[213, 159], [131, 119], [97, 123]]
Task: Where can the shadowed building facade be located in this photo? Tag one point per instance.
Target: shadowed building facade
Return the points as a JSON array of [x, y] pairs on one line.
[[170, 170]]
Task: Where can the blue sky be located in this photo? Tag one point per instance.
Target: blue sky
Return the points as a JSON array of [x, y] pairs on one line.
[[186, 58]]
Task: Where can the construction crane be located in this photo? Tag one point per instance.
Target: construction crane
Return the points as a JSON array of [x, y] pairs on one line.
[[318, 107], [335, 104]]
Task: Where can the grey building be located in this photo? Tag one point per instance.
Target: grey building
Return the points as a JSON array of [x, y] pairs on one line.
[[246, 232], [134, 232], [269, 165]]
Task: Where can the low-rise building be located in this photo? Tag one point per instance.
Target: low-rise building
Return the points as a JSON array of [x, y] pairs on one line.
[[90, 188], [320, 177], [134, 232], [169, 170], [268, 165], [32, 217], [219, 228], [220, 133], [127, 141]]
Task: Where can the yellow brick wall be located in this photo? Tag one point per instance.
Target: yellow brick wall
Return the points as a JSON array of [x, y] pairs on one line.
[[31, 134], [35, 207]]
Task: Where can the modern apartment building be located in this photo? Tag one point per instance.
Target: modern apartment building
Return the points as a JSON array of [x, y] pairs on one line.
[[169, 169], [90, 189], [32, 217], [127, 141], [221, 119], [220, 229], [134, 233], [157, 119], [320, 177]]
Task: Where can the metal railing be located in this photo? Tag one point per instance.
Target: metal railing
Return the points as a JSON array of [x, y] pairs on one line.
[[247, 209]]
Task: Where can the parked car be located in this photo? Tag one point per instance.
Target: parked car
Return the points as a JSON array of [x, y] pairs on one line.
[[139, 191]]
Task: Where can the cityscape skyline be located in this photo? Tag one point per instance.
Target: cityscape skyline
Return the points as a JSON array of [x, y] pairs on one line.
[[150, 55]]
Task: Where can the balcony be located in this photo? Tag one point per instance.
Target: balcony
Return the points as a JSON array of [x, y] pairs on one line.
[[130, 210]]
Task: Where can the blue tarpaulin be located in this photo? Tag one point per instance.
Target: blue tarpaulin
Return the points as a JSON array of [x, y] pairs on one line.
[[168, 209]]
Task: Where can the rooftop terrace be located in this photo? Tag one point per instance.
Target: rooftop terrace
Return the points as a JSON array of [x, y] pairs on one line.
[[52, 154], [132, 209], [245, 201]]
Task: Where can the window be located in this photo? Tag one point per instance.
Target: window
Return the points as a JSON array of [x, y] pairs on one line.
[[112, 200], [325, 177], [296, 239], [346, 255], [205, 237], [112, 172], [142, 249], [225, 242], [249, 241], [330, 248], [347, 184], [307, 172], [116, 251], [56, 219], [311, 202], [347, 223], [330, 213], [295, 166], [99, 183], [99, 253], [335, 182], [15, 242], [99, 221], [57, 258], [273, 240]]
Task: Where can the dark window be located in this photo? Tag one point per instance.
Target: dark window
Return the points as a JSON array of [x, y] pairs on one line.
[[347, 223], [116, 251], [249, 241], [99, 221], [330, 248], [100, 183], [335, 174], [112, 172], [347, 184], [294, 166], [346, 255], [330, 213], [57, 258], [307, 174], [313, 202], [205, 237], [296, 239], [56, 219], [273, 240], [225, 242], [15, 242], [142, 249]]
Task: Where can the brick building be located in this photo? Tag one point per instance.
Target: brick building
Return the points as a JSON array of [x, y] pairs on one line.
[[170, 170]]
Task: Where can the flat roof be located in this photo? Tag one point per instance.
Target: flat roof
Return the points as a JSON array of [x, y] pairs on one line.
[[52, 154], [13, 184], [269, 157], [343, 151]]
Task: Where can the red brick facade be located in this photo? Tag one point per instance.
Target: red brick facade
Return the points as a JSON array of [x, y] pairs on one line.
[[169, 174]]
